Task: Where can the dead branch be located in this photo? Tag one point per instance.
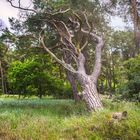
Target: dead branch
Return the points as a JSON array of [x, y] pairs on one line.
[[85, 44], [100, 44], [19, 6], [72, 55], [61, 12], [63, 63], [87, 22], [79, 20], [94, 36], [65, 35]]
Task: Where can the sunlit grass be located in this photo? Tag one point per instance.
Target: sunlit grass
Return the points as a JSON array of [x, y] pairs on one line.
[[49, 119]]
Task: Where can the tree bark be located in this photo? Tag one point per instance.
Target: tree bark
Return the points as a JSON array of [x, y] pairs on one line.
[[88, 82], [90, 94], [2, 78], [71, 77], [73, 84], [136, 27], [89, 85]]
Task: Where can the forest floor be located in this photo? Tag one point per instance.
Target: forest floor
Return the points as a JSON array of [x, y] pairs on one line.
[[51, 119]]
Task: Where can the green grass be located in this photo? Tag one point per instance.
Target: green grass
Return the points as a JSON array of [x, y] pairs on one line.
[[49, 119]]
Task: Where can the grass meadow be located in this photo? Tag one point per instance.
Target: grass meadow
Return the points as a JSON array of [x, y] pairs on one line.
[[51, 119]]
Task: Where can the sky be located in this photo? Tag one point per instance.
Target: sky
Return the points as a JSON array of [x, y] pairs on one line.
[[7, 11]]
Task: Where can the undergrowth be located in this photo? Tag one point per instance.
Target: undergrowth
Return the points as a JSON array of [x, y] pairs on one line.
[[49, 119]]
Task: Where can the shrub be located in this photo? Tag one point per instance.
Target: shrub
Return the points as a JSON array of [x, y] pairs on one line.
[[131, 88], [31, 78]]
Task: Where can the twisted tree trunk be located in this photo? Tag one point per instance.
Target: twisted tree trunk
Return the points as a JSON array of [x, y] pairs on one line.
[[89, 84], [91, 97], [89, 93]]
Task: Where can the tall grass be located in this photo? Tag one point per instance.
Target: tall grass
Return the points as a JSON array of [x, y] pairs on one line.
[[49, 119]]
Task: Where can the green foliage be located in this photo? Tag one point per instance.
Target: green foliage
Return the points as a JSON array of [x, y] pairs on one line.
[[119, 48], [58, 88], [30, 78], [50, 119], [131, 88], [24, 77]]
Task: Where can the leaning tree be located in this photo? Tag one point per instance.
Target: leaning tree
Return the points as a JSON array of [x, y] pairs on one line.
[[69, 28]]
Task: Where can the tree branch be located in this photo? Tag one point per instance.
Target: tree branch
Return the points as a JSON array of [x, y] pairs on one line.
[[100, 44], [32, 10], [79, 19], [61, 12], [72, 55], [97, 67], [65, 35], [67, 66], [94, 36], [85, 44], [19, 7], [81, 63], [87, 22]]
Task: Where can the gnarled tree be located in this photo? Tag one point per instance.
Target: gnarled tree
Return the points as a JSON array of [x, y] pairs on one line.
[[67, 30], [88, 82]]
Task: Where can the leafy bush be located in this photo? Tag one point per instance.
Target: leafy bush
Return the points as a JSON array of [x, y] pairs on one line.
[[26, 78], [131, 88], [30, 78], [58, 88]]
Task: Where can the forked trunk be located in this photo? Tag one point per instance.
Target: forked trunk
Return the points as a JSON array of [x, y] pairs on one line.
[[88, 82]]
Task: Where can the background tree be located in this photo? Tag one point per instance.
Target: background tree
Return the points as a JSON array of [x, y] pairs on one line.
[[3, 66], [29, 78], [131, 86], [129, 11]]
